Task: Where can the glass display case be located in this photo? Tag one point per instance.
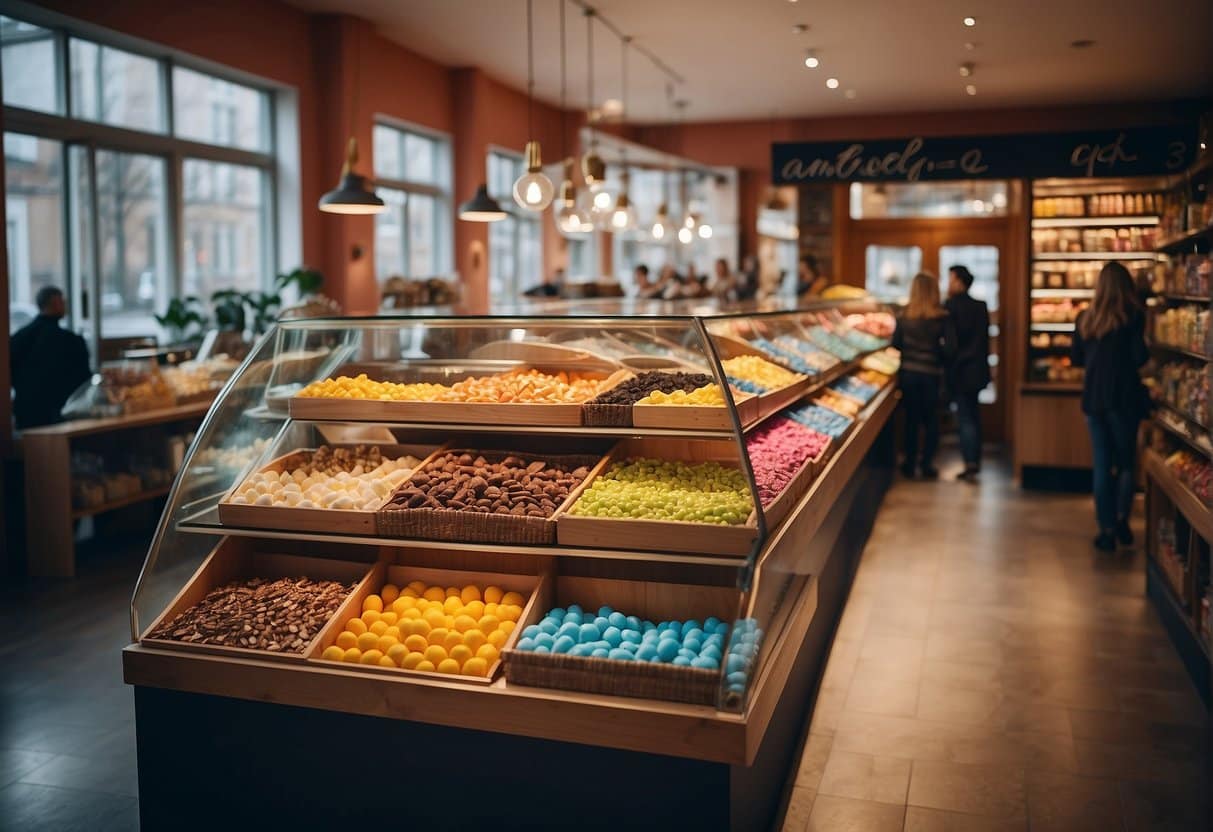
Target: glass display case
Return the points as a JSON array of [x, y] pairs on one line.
[[620, 510]]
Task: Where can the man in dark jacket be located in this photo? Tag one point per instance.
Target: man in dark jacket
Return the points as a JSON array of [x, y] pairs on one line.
[[971, 370], [47, 363]]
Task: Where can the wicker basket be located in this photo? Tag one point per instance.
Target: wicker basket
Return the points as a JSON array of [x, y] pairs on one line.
[[606, 415], [693, 685], [477, 527]]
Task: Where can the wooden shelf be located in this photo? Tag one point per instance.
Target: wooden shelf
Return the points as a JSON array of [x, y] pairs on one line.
[[1184, 418], [1158, 345], [1180, 430], [84, 427], [1174, 244], [1063, 293], [1168, 596], [1049, 326], [1067, 387], [1185, 298], [113, 505], [1042, 257], [1198, 514], [1092, 222]]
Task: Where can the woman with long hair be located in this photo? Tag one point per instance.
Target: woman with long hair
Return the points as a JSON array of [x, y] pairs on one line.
[[1109, 342], [927, 340]]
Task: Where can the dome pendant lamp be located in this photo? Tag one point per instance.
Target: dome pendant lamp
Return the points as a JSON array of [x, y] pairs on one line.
[[353, 194], [533, 191], [482, 207]]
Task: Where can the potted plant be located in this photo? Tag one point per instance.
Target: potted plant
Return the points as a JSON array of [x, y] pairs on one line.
[[183, 319]]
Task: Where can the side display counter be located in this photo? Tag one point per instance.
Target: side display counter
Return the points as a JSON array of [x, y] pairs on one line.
[[523, 562]]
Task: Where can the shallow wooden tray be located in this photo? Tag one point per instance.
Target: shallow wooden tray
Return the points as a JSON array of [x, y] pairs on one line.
[[646, 599], [695, 417], [477, 527], [530, 586], [522, 414], [802, 480], [344, 521], [659, 535], [776, 399], [228, 562]]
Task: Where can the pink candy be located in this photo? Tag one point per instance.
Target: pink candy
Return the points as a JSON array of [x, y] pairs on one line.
[[778, 449]]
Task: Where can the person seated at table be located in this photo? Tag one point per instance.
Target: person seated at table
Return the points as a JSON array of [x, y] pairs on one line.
[[47, 363], [549, 288]]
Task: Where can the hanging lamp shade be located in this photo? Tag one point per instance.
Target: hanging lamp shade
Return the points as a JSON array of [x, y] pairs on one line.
[[482, 207], [353, 194]]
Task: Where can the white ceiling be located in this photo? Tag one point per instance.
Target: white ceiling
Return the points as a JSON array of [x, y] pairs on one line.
[[741, 59]]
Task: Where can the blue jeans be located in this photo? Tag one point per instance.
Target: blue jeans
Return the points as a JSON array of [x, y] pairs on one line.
[[1114, 447], [968, 425], [920, 396]]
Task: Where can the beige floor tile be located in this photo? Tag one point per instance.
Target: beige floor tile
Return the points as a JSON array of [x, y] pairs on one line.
[[866, 777], [800, 806], [841, 814], [813, 760], [1068, 803], [944, 703], [992, 791], [920, 819]]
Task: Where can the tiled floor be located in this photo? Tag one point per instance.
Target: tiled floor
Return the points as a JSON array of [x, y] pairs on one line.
[[992, 672], [989, 672]]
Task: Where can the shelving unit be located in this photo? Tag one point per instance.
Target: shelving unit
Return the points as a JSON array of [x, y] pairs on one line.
[[790, 585]]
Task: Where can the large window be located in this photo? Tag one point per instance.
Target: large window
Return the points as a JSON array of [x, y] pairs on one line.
[[515, 243], [150, 179], [413, 176]]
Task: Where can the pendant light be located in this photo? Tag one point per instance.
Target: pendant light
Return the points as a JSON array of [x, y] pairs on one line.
[[593, 169], [571, 219], [533, 190], [353, 194], [482, 207], [623, 217], [686, 229], [660, 229]]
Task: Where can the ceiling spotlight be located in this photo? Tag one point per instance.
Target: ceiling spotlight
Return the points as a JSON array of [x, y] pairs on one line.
[[832, 83], [970, 21], [800, 28], [970, 89], [970, 46], [811, 61], [966, 69], [612, 108], [1082, 43], [850, 94]]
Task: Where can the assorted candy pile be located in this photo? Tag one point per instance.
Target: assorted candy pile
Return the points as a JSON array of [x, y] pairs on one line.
[[863, 341], [710, 395], [1194, 471], [530, 386], [778, 449], [830, 342], [812, 355], [822, 419], [886, 362], [757, 374], [789, 357], [637, 388], [652, 489], [613, 635], [838, 403], [856, 389]]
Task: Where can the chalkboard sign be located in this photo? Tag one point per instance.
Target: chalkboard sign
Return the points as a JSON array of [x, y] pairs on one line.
[[1137, 151]]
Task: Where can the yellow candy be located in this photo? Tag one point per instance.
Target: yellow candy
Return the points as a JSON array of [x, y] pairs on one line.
[[469, 594], [389, 593], [412, 612], [475, 666], [435, 654], [497, 638], [372, 602], [356, 626], [448, 666], [396, 653], [369, 617], [448, 621], [352, 655], [378, 628], [421, 627], [409, 592], [394, 632], [506, 627], [511, 613], [437, 635], [489, 609], [368, 641], [389, 617], [386, 643], [333, 653], [461, 653], [513, 598], [347, 640], [384, 661], [475, 609], [453, 592], [488, 623], [452, 605], [465, 622], [417, 587], [424, 665], [416, 643], [453, 639], [473, 639], [760, 371], [434, 593], [434, 618], [487, 652], [371, 657], [412, 660], [493, 595]]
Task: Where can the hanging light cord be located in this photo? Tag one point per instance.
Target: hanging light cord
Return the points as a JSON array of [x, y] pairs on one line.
[[564, 118], [530, 72], [589, 75]]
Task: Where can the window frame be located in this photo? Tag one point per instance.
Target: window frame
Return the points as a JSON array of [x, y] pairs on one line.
[[519, 216], [442, 192], [94, 136]]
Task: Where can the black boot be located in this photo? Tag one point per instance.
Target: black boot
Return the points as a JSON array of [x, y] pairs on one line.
[[1124, 534], [1105, 541]]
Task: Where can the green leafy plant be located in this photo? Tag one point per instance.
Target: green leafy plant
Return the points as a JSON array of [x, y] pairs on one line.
[[307, 281], [229, 310], [265, 307], [184, 319]]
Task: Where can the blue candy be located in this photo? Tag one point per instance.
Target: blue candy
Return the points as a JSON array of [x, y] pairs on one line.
[[618, 620], [701, 661], [667, 649], [573, 618], [599, 653], [544, 640], [735, 663], [589, 632], [631, 635], [558, 613], [542, 649], [634, 623], [620, 655], [612, 636], [578, 650], [722, 629], [604, 611], [650, 636], [567, 629], [549, 626], [646, 652], [531, 630], [630, 646], [711, 651], [574, 608], [693, 644], [563, 644], [691, 625], [526, 643], [710, 624], [737, 678], [687, 654], [682, 661]]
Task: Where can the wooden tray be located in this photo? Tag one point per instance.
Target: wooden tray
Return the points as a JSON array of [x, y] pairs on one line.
[[776, 399], [229, 561], [343, 521], [530, 586], [563, 414], [802, 480], [695, 417], [648, 600], [659, 535], [476, 527]]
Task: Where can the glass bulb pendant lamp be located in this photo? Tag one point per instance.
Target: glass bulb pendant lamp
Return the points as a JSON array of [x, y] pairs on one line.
[[661, 228], [685, 235], [704, 231], [353, 194], [533, 190], [623, 218], [571, 219]]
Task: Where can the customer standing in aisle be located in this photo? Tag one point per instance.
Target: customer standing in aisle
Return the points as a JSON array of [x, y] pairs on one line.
[[927, 340], [47, 363], [1109, 343], [970, 372]]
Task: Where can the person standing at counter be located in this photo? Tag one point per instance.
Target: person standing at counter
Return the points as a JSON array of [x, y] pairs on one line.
[[971, 371], [1109, 343], [927, 340], [47, 363], [809, 281]]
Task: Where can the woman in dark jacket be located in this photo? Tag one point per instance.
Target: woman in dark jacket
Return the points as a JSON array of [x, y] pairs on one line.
[[927, 340], [1109, 342]]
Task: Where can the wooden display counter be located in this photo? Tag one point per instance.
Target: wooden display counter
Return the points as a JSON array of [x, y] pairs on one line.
[[261, 740], [47, 452], [1051, 431]]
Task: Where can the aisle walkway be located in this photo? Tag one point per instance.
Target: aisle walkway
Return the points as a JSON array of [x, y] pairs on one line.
[[991, 671]]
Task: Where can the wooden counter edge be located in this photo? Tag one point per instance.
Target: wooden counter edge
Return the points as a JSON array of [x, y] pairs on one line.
[[83, 427]]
